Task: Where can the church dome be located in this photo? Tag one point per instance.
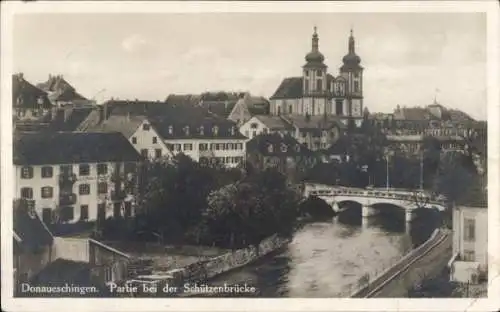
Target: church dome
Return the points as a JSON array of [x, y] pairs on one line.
[[351, 58], [315, 57]]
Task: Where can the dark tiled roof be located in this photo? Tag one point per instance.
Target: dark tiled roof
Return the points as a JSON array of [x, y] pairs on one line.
[[290, 88], [261, 144], [413, 113], [183, 99], [126, 125], [135, 107], [26, 95], [76, 117], [29, 228], [72, 147], [314, 122], [191, 126], [274, 122]]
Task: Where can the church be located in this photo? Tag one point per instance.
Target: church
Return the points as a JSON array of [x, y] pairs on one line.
[[318, 93]]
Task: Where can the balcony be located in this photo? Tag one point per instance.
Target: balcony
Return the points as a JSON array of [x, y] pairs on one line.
[[67, 178], [67, 199]]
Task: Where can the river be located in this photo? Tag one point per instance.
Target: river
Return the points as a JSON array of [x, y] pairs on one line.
[[327, 258]]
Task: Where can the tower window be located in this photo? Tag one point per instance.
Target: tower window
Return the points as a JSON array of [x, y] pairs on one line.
[[356, 86], [339, 107], [306, 72], [306, 86], [318, 85], [356, 75], [319, 73]]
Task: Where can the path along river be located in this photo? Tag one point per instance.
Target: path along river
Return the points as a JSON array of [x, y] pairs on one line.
[[327, 258]]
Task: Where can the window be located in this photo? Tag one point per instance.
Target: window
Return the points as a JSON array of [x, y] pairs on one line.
[[319, 73], [319, 85], [102, 188], [146, 127], [84, 170], [265, 130], [270, 148], [102, 169], [27, 172], [144, 153], [339, 109], [47, 192], [66, 214], [202, 130], [283, 148], [469, 229], [47, 172], [84, 189], [47, 215], [84, 212], [27, 192], [469, 255], [254, 125], [279, 110], [134, 140], [306, 86], [177, 147], [117, 210], [188, 146], [108, 274], [290, 109], [186, 130], [155, 140], [203, 146], [170, 130], [216, 146], [254, 134], [356, 75], [356, 86], [215, 130], [158, 153], [66, 169]]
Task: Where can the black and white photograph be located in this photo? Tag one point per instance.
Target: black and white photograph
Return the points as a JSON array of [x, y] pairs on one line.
[[238, 153]]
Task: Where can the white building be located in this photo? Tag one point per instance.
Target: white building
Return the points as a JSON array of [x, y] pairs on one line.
[[74, 177], [470, 244], [206, 139], [139, 132]]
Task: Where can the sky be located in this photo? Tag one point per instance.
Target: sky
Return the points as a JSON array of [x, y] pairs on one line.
[[409, 58]]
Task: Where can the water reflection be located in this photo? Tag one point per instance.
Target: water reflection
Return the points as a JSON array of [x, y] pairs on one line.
[[325, 258]]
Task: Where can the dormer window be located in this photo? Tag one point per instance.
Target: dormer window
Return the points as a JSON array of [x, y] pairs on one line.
[[270, 148], [283, 148], [186, 130], [297, 148], [40, 101], [145, 127], [202, 130], [215, 130], [232, 131], [170, 130]]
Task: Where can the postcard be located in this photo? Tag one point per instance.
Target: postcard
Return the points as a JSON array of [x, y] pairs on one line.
[[270, 156]]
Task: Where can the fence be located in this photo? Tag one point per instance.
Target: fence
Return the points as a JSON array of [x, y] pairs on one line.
[[362, 286]]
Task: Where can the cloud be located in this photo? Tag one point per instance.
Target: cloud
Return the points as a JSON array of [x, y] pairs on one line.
[[134, 43]]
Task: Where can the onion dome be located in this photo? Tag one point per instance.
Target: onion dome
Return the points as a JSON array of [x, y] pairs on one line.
[[315, 56], [351, 60]]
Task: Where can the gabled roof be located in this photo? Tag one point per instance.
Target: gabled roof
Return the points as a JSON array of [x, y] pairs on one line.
[[282, 145], [30, 232], [314, 122], [72, 147], [290, 88], [126, 125], [26, 95], [274, 122]]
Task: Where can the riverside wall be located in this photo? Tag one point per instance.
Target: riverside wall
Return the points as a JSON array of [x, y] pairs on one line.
[[425, 261], [206, 269]]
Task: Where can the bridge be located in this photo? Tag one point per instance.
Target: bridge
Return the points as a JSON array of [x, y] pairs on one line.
[[408, 200]]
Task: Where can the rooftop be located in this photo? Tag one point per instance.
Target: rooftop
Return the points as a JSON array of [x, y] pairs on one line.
[[72, 147]]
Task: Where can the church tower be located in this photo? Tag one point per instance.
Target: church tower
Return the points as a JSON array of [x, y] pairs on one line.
[[314, 85], [352, 72]]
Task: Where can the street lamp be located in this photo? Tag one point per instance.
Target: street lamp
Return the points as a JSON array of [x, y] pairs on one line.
[[388, 153], [422, 170]]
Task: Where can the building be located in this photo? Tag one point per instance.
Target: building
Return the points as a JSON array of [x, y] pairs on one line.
[[315, 132], [470, 244], [264, 124], [74, 177], [248, 106], [139, 132], [204, 139], [317, 92], [30, 105], [61, 93], [42, 259], [279, 151]]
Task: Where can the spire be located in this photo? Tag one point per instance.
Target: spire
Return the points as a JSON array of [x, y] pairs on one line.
[[351, 43], [315, 40]]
